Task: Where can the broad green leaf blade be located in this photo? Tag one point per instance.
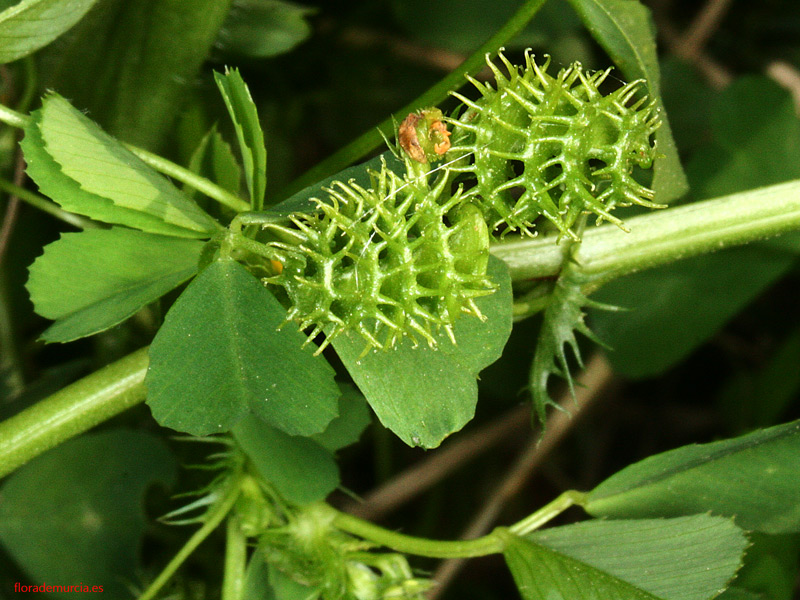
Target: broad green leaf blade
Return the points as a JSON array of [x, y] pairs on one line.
[[32, 24], [248, 131], [563, 316], [301, 470], [75, 514], [214, 160], [68, 193], [220, 355], [132, 63], [625, 31], [686, 558], [263, 28], [102, 166], [345, 429], [424, 395], [543, 574], [752, 478], [93, 280]]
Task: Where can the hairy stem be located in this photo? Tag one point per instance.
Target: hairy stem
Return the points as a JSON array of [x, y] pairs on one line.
[[665, 236], [235, 561], [72, 410], [364, 144]]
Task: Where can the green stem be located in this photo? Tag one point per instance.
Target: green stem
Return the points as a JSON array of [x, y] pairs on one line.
[[488, 544], [201, 184], [662, 237], [370, 140], [13, 118], [47, 206], [235, 561], [167, 167], [72, 410], [548, 512], [213, 518]]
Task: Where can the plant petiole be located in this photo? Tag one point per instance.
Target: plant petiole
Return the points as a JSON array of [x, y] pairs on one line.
[[548, 512]]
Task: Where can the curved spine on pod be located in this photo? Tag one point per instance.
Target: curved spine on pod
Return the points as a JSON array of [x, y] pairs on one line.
[[402, 258]]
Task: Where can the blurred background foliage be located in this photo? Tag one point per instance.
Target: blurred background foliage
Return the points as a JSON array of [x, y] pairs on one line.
[[709, 348]]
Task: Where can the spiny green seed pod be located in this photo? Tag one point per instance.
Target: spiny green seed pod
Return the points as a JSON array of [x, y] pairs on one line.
[[554, 146], [399, 259]]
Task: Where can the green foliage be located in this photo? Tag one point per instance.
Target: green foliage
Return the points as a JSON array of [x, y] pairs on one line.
[[300, 468], [405, 386], [85, 497], [90, 281], [214, 160], [91, 173], [388, 267], [751, 478], [248, 132], [686, 558], [263, 28], [130, 63], [222, 335], [31, 24]]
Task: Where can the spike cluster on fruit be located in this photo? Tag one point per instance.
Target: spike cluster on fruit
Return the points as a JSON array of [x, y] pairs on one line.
[[554, 147]]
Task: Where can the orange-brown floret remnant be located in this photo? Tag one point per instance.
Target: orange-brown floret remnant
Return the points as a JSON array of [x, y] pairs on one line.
[[423, 135]]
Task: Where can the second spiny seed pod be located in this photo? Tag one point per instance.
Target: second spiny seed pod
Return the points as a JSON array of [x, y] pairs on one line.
[[555, 147]]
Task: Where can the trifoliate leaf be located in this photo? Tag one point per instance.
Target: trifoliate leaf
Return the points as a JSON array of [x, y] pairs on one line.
[[75, 514]]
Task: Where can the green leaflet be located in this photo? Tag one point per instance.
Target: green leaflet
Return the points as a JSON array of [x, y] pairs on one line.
[[263, 28], [95, 279], [686, 558], [220, 355], [752, 478], [347, 427], [422, 394], [103, 167], [76, 513], [32, 24], [563, 316], [248, 131], [67, 192], [626, 32], [301, 469], [131, 63], [542, 574]]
